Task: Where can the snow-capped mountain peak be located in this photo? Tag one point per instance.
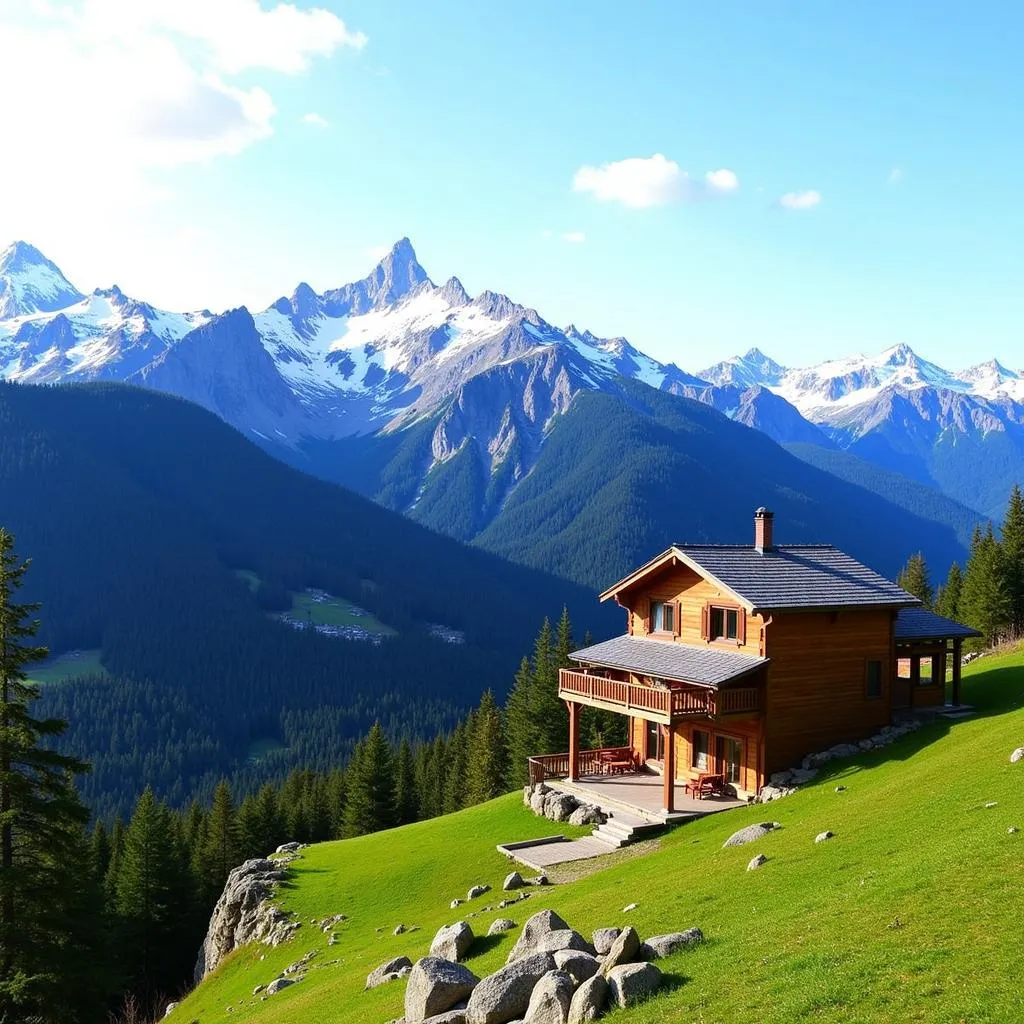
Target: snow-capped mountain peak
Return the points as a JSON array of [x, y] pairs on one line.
[[30, 283], [747, 370]]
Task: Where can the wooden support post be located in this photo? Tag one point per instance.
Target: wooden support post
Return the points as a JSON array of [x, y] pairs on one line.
[[669, 765], [574, 740], [957, 659]]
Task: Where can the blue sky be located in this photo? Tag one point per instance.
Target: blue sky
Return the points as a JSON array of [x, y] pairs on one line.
[[215, 152]]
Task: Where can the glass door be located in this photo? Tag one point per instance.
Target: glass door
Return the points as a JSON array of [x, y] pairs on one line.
[[729, 757], [655, 744]]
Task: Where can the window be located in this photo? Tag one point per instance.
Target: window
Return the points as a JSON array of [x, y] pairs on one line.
[[700, 744], [663, 617], [874, 679], [724, 624]]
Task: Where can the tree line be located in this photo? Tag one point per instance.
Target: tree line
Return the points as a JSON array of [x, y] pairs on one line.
[[988, 592], [93, 915]]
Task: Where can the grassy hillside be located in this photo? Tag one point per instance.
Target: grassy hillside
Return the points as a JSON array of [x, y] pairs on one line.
[[911, 913]]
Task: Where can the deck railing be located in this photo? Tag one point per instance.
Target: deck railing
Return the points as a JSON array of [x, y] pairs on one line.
[[667, 703], [591, 762]]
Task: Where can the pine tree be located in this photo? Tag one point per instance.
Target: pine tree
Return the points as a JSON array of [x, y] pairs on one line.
[[947, 600], [913, 578], [99, 851], [151, 891], [984, 597], [114, 864], [456, 761], [547, 707], [406, 804], [486, 770], [521, 732], [42, 841], [1012, 535], [221, 848], [370, 801]]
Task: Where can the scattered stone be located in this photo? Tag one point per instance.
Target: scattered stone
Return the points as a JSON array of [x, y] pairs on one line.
[[756, 862], [258, 989], [452, 942], [588, 1002], [172, 1006], [400, 929], [565, 938], [1017, 755], [751, 834], [991, 804], [288, 848], [435, 986], [604, 938], [559, 806], [503, 996], [387, 971], [329, 922], [840, 789], [587, 814], [629, 984], [539, 880], [454, 904], [665, 945], [629, 907], [513, 881], [537, 926], [1012, 830], [578, 965], [549, 1001], [277, 984], [501, 924], [624, 950], [822, 836], [477, 890]]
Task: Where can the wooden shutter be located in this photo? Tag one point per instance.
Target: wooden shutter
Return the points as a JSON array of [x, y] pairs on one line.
[[741, 626], [705, 628], [678, 618]]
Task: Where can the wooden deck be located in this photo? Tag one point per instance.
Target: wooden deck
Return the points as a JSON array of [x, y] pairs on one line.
[[642, 793]]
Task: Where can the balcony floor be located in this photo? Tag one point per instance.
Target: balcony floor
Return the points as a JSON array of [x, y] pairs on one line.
[[641, 792]]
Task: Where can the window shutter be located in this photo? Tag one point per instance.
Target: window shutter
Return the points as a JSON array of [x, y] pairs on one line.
[[741, 626], [678, 618], [704, 629]]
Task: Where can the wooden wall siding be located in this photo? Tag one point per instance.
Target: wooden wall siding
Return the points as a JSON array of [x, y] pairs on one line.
[[817, 693], [748, 730], [692, 592]]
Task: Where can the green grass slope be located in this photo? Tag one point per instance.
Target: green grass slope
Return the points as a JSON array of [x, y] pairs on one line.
[[911, 913]]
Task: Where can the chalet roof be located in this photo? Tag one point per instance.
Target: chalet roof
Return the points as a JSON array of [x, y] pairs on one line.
[[921, 624], [791, 576], [667, 660]]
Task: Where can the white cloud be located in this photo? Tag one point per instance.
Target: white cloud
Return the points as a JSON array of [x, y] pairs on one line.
[[806, 200], [723, 180], [895, 175], [316, 120], [640, 182], [547, 233], [106, 95], [575, 237]]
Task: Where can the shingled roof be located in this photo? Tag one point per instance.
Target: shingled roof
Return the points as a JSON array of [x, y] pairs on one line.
[[662, 660], [921, 624], [791, 576]]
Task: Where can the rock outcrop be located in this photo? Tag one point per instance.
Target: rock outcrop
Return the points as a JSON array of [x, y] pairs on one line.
[[245, 913]]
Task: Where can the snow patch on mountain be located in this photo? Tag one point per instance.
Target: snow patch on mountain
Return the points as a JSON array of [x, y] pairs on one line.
[[30, 283]]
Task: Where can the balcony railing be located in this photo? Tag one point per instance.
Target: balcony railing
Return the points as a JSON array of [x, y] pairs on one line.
[[663, 703], [591, 762]]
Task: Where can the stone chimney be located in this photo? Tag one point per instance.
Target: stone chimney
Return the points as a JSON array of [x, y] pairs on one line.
[[763, 522]]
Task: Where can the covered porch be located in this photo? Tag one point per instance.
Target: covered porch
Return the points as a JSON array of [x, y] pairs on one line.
[[928, 654]]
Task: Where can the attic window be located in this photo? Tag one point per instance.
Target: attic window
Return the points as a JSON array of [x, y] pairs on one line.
[[663, 617]]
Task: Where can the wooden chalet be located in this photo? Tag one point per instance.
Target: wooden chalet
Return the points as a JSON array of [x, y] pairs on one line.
[[738, 660]]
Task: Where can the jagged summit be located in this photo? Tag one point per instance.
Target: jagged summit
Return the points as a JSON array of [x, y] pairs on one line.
[[30, 283]]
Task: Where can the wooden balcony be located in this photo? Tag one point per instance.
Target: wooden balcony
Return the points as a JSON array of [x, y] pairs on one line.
[[655, 704]]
